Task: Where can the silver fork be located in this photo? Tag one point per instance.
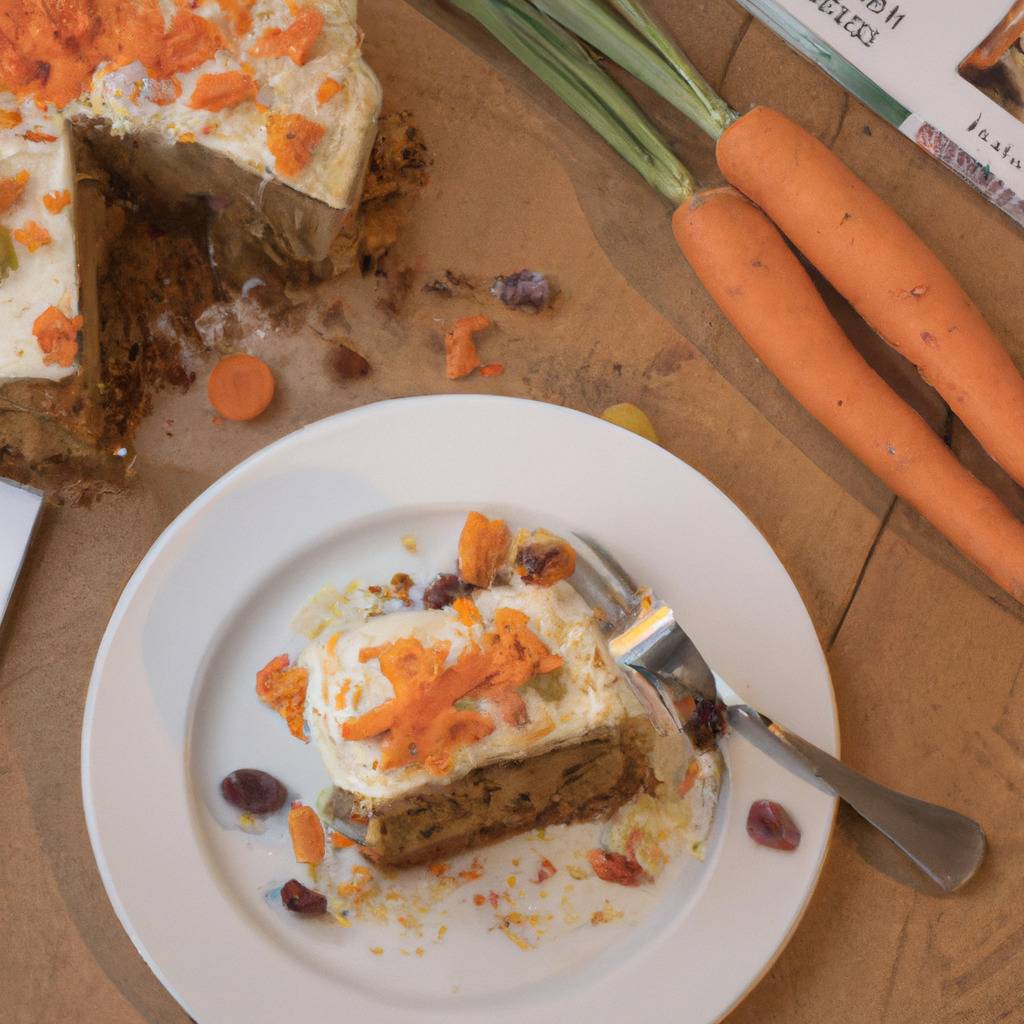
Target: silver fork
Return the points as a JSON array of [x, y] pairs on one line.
[[664, 667]]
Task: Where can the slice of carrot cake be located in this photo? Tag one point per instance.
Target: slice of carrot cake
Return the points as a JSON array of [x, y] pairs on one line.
[[499, 712]]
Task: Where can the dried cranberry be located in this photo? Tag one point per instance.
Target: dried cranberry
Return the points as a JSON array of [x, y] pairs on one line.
[[443, 589], [254, 791], [769, 824], [300, 900]]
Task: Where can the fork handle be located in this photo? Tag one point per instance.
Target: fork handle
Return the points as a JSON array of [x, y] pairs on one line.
[[945, 845]]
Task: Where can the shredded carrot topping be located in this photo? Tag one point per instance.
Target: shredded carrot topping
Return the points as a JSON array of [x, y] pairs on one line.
[[292, 139], [189, 42], [341, 842], [57, 336], [49, 50], [421, 722], [34, 136], [460, 356], [238, 12], [56, 201], [329, 88], [11, 189], [690, 778], [466, 610], [295, 41], [33, 236], [217, 92], [284, 689], [10, 118]]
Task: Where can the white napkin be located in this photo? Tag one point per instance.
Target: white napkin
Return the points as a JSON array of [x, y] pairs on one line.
[[19, 509]]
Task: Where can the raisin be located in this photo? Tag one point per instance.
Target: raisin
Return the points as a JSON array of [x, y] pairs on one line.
[[443, 589], [300, 900], [253, 791]]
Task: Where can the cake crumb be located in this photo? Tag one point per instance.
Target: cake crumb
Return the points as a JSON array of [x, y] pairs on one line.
[[606, 914], [420, 951], [410, 543], [376, 950]]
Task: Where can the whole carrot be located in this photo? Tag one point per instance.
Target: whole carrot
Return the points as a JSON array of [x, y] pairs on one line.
[[873, 257], [761, 287], [750, 271]]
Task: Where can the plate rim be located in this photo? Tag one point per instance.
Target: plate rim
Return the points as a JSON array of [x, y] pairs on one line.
[[224, 481]]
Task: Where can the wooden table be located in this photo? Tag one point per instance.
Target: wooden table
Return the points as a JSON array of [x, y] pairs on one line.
[[929, 673]]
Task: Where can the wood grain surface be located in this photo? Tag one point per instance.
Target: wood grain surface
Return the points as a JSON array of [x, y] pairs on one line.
[[929, 670]]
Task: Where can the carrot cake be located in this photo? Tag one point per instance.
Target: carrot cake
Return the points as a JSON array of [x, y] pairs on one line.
[[263, 108], [499, 712]]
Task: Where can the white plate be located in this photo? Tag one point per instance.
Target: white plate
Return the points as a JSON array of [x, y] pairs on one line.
[[172, 709]]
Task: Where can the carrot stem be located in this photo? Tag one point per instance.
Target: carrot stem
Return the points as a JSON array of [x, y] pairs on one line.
[[684, 89], [719, 113], [563, 64]]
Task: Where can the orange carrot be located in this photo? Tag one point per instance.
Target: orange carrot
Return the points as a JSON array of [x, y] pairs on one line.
[[761, 287], [329, 88], [295, 41], [308, 842], [460, 356], [56, 201], [240, 387], [11, 189], [33, 236], [483, 549], [292, 139], [220, 91], [871, 255]]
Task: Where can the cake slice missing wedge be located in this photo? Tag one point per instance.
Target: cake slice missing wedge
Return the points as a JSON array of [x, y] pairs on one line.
[[262, 109], [446, 728]]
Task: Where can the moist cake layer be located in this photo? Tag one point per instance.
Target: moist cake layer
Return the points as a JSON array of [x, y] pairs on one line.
[[589, 779]]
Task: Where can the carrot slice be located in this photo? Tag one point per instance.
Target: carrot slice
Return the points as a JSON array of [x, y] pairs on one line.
[[308, 842], [218, 92], [292, 139], [240, 387], [295, 41], [890, 276], [483, 549], [759, 284]]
